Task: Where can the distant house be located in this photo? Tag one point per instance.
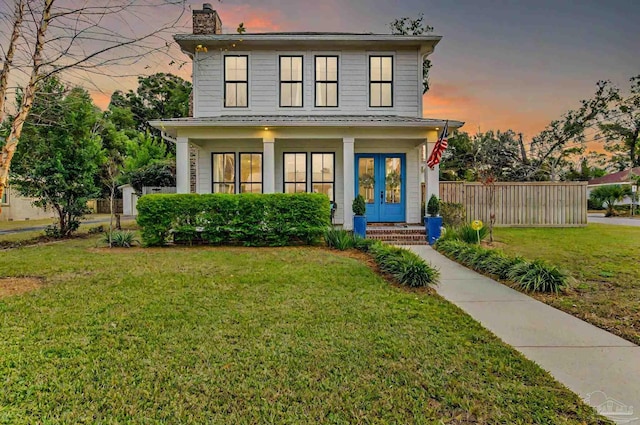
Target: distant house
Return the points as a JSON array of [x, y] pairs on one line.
[[621, 178], [332, 113], [17, 207]]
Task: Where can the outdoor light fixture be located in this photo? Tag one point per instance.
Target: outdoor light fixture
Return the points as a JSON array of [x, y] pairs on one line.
[[201, 48]]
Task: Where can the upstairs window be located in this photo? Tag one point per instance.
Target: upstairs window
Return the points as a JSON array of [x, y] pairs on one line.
[[290, 81], [236, 81], [326, 81], [380, 81]]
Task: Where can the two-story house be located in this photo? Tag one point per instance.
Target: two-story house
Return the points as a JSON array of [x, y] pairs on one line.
[[334, 113]]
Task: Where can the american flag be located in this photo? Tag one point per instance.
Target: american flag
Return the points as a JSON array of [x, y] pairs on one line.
[[441, 145]]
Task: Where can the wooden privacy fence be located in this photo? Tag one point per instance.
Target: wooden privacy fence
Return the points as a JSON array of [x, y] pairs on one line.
[[102, 206], [527, 204]]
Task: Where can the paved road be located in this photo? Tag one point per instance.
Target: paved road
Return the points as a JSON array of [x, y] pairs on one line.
[[617, 221], [587, 359], [42, 227]]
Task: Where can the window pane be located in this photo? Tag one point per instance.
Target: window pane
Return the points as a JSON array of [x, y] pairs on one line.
[[386, 97], [296, 94], [285, 69], [251, 188], [296, 68], [321, 94], [332, 69], [241, 99], [375, 68], [392, 180], [326, 188], [241, 71], [230, 67], [295, 167], [230, 94], [375, 94], [366, 179], [223, 173], [251, 168], [321, 69], [295, 188], [387, 69], [285, 95], [332, 94]]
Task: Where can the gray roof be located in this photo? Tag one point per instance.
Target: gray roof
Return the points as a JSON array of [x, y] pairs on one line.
[[297, 39], [307, 121]]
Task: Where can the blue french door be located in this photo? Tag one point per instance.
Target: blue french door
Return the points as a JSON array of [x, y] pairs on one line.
[[380, 179]]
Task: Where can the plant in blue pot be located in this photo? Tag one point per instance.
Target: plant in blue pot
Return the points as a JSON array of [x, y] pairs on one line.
[[433, 222], [359, 208]]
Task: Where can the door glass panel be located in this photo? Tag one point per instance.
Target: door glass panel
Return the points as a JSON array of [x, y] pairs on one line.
[[393, 169], [366, 179]]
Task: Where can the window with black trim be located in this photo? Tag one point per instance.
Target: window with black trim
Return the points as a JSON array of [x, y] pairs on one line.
[[380, 81], [236, 81], [323, 176], [251, 173], [295, 172], [291, 81], [224, 172], [5, 197], [326, 81]]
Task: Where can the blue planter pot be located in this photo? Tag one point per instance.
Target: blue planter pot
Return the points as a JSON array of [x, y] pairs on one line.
[[433, 225], [360, 225]]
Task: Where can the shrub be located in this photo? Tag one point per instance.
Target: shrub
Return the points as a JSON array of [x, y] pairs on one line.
[[96, 229], [247, 219], [609, 195], [453, 215], [403, 265], [468, 235], [120, 239], [339, 239], [529, 276], [359, 206], [433, 206]]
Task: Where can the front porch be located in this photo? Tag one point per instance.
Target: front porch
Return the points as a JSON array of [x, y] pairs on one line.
[[382, 160]]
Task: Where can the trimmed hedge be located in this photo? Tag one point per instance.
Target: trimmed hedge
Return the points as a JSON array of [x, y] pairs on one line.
[[249, 219], [530, 276], [406, 267]]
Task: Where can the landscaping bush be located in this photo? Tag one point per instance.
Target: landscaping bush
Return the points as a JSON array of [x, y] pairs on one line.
[[453, 215], [468, 235], [532, 276], [120, 239], [406, 267], [340, 239], [247, 219]]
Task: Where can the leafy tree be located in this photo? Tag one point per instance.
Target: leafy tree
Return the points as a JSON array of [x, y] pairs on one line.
[[144, 150], [622, 128], [609, 195], [410, 26], [154, 174], [158, 96], [563, 138], [586, 171], [62, 154]]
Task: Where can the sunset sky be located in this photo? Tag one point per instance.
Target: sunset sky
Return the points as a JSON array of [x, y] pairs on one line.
[[501, 64]]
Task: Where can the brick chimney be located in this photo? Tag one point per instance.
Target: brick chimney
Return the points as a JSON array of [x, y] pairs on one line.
[[206, 21]]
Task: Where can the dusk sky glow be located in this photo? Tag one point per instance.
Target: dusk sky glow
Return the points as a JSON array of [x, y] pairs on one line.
[[500, 64]]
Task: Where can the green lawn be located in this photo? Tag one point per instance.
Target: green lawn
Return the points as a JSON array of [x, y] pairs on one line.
[[604, 259], [247, 336]]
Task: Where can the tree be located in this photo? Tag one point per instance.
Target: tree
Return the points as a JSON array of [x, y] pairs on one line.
[[61, 154], [609, 195], [565, 137], [87, 38], [410, 26], [622, 128]]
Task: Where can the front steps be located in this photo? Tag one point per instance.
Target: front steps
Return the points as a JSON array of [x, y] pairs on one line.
[[398, 234]]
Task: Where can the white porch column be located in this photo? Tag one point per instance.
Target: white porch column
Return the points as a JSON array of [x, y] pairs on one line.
[[349, 180], [431, 177], [269, 166], [183, 172]]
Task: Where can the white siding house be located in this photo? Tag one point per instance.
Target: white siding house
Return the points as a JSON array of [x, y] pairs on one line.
[[336, 113]]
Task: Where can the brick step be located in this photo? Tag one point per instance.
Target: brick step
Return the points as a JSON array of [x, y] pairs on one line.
[[396, 232], [397, 237]]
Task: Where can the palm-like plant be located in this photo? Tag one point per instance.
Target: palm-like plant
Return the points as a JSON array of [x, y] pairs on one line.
[[609, 195]]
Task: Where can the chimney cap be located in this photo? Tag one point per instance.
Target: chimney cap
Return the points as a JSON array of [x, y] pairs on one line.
[[207, 6]]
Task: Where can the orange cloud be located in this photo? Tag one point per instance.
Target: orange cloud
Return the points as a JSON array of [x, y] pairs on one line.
[[255, 19], [100, 99]]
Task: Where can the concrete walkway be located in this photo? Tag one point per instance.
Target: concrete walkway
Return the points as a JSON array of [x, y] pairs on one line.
[[587, 359], [616, 221]]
